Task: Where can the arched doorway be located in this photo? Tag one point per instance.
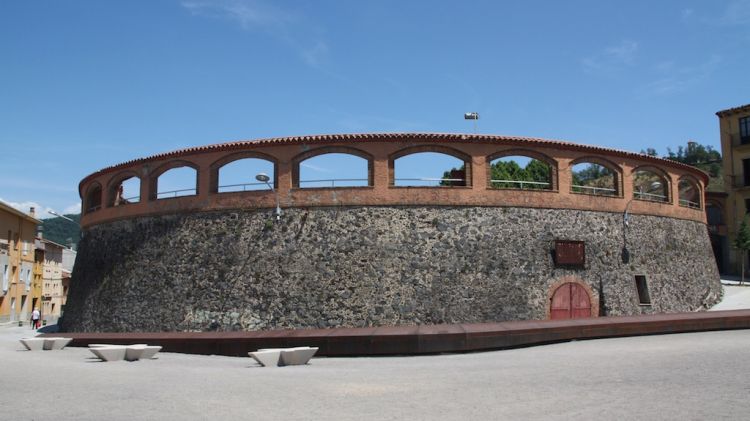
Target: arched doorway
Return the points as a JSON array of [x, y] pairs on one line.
[[570, 301]]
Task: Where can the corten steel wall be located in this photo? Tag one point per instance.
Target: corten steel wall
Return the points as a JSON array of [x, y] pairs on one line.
[[379, 255]]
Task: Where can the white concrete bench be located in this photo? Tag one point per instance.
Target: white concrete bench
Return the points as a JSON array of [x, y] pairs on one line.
[[131, 352], [141, 352], [56, 343], [33, 344], [47, 344], [110, 353], [286, 356], [266, 358]]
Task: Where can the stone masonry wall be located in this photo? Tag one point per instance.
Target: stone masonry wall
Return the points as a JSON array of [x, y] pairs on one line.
[[364, 266]]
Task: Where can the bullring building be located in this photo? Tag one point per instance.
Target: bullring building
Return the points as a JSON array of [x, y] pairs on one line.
[[572, 231]]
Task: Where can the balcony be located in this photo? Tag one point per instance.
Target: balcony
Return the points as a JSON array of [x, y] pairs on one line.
[[737, 141], [739, 182]]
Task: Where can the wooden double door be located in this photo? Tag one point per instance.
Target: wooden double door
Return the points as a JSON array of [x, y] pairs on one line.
[[570, 301]]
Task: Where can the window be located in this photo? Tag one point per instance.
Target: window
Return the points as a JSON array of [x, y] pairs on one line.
[[689, 194], [125, 191], [239, 175], [176, 182], [93, 199], [333, 170], [650, 185], [594, 179], [429, 169], [745, 130], [642, 286], [5, 277], [520, 172]]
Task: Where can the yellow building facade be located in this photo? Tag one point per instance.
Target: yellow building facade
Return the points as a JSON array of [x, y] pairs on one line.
[[734, 126], [53, 273], [17, 256]]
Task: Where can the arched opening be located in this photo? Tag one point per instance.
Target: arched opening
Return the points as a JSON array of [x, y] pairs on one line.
[[521, 170], [124, 189], [93, 200], [690, 196], [333, 169], [177, 182], [570, 301], [714, 214], [239, 175], [429, 169], [594, 178], [650, 184]]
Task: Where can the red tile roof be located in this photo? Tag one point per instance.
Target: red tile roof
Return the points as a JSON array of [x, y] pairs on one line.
[[386, 137]]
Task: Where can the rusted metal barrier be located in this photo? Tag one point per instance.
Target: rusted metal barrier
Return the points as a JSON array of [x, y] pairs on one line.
[[424, 339]]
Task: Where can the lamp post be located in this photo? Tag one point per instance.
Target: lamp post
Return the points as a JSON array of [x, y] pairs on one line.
[[626, 221], [264, 178], [472, 116], [625, 215], [51, 212]]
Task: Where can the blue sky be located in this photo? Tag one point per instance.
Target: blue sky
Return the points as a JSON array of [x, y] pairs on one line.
[[87, 84]]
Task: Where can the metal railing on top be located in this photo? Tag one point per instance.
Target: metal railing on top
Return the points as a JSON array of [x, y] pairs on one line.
[[230, 188], [511, 184], [175, 193], [93, 208], [596, 191], [331, 182], [127, 200], [435, 181], [690, 204], [652, 197]]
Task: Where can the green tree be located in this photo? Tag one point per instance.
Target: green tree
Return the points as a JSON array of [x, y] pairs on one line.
[[697, 155], [590, 175], [742, 243], [61, 230]]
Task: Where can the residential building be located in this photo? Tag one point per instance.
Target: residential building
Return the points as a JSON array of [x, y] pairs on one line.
[[52, 280], [734, 127], [17, 232]]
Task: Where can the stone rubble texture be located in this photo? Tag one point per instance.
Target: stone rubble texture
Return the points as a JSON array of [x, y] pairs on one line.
[[371, 266]]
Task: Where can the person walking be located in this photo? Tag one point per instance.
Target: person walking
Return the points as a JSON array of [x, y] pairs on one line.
[[35, 315]]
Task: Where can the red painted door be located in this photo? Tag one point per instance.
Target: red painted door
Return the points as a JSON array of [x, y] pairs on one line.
[[570, 301]]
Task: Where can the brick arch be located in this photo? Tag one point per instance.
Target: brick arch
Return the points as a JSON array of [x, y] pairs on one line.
[[606, 163], [216, 166], [446, 150], [529, 153], [557, 283], [663, 175], [696, 185], [115, 182], [298, 159], [93, 198], [153, 178]]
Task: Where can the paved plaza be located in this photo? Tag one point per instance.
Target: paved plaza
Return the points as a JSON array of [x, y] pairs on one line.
[[681, 377]]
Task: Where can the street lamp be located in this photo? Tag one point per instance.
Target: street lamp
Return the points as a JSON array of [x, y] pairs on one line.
[[51, 212], [625, 215], [472, 116], [264, 178]]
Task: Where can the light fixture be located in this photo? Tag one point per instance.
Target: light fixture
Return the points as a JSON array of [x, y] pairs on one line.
[[51, 212], [472, 116], [264, 178]]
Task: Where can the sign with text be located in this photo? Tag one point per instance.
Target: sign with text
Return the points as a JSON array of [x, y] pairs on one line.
[[570, 253]]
